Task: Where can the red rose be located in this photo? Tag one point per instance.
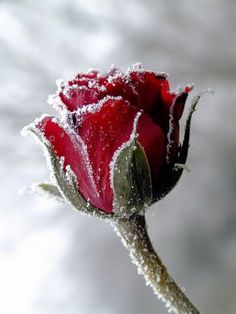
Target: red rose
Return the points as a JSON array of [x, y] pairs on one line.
[[99, 113]]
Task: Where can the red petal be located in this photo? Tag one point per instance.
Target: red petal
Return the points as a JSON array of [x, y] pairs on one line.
[[73, 152], [83, 90], [172, 110], [104, 132], [90, 75], [152, 139], [148, 88], [78, 97], [141, 89], [169, 97], [180, 102]]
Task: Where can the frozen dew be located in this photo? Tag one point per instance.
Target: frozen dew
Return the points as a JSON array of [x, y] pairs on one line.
[[70, 90], [65, 120], [114, 73], [167, 304], [91, 84], [178, 166], [95, 107], [62, 163], [114, 70], [61, 84], [79, 146], [180, 88], [51, 138], [54, 100], [137, 66], [70, 176], [93, 71], [33, 129], [88, 203], [170, 131]]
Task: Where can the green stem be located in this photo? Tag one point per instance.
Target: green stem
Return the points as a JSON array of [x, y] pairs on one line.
[[133, 233]]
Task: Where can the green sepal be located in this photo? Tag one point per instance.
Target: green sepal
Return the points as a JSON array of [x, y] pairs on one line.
[[173, 173], [49, 189], [132, 182]]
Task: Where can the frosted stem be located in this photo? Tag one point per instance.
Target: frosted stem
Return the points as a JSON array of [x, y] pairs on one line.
[[133, 233]]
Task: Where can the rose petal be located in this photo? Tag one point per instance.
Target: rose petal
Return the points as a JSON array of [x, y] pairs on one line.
[[152, 139], [169, 97], [83, 90], [180, 102], [148, 88], [72, 149], [78, 97], [141, 89], [104, 132]]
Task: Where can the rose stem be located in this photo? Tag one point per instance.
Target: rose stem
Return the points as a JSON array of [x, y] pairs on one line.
[[133, 233]]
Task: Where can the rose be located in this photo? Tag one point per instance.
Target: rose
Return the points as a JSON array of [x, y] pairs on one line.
[[117, 135], [113, 150]]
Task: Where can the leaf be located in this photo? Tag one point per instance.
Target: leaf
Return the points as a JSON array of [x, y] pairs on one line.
[[50, 189], [131, 180]]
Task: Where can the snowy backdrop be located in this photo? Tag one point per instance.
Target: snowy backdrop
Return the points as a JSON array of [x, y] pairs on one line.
[[53, 260]]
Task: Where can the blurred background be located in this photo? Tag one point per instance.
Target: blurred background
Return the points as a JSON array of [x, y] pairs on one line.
[[52, 259]]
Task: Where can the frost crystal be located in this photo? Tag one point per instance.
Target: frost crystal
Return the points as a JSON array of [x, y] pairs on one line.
[[178, 166], [96, 107]]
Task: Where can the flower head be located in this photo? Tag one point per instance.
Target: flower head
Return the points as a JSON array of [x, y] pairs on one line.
[[117, 136]]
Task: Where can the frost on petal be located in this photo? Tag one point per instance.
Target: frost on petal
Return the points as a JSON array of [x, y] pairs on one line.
[[179, 98], [180, 101], [104, 131], [82, 90], [75, 97], [141, 88], [73, 150], [63, 176], [148, 88]]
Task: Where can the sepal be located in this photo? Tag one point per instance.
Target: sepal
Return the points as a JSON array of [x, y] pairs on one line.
[[131, 178], [48, 189], [173, 173]]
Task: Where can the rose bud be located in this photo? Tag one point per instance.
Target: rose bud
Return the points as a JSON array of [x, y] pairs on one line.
[[114, 146]]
